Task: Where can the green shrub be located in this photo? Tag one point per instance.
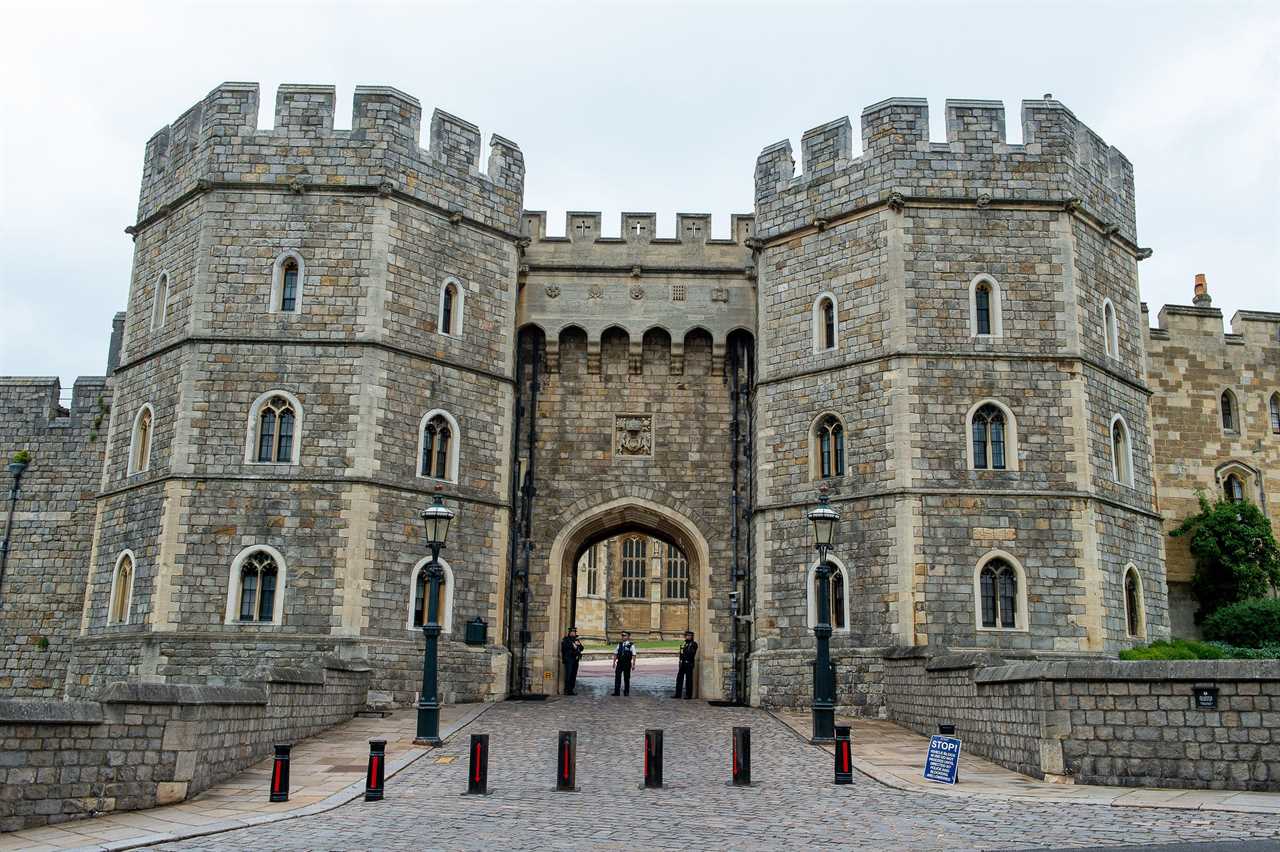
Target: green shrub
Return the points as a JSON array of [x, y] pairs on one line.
[[1236, 555], [1248, 624], [1269, 651], [1176, 649], [22, 457]]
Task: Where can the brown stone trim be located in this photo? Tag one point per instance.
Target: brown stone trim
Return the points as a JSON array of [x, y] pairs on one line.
[[240, 340], [979, 492], [453, 217]]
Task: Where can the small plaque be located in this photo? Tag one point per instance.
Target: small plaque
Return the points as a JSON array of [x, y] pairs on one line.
[[1206, 697]]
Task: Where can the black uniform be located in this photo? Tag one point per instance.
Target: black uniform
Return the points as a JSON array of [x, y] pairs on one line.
[[623, 659], [684, 675], [570, 653]]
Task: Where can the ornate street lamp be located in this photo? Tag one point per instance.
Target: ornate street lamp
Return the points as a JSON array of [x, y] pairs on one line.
[[824, 519], [16, 467], [435, 518]]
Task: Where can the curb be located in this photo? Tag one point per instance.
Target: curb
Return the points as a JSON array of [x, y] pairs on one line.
[[347, 794]]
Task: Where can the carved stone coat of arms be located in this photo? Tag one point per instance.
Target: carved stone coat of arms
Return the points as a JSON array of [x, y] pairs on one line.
[[633, 435]]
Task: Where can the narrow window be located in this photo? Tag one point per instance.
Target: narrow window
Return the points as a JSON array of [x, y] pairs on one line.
[[289, 286], [837, 599], [988, 432], [448, 303], [160, 310], [275, 430], [1228, 411], [982, 302], [141, 458], [593, 581], [121, 590], [1233, 488], [1275, 413], [677, 574], [420, 598], [437, 444], [1112, 342], [989, 602], [998, 589], [1121, 461], [633, 568], [830, 447], [1132, 603], [258, 587], [828, 311], [1008, 596]]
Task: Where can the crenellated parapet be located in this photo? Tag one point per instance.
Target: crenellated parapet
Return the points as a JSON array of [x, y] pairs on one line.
[[218, 143], [638, 241], [1060, 161]]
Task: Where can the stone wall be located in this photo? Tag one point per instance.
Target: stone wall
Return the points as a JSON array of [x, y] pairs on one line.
[[784, 679], [141, 745], [1100, 721], [42, 591]]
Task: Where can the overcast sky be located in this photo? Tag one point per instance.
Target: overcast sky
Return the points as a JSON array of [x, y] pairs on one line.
[[630, 106]]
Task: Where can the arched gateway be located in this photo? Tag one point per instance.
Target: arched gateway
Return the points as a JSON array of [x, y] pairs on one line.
[[623, 515]]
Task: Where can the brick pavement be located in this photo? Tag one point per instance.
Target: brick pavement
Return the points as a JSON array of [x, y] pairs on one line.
[[794, 804]]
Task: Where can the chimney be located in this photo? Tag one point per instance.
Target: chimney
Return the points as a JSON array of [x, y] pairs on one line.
[[1202, 299]]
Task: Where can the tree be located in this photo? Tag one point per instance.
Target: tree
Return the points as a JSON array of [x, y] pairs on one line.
[[1235, 553]]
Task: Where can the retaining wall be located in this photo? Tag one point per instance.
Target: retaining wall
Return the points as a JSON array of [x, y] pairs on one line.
[[142, 744]]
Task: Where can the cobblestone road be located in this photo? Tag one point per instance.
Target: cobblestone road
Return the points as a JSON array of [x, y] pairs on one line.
[[793, 807]]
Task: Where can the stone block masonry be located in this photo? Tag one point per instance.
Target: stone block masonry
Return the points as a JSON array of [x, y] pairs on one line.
[[141, 745]]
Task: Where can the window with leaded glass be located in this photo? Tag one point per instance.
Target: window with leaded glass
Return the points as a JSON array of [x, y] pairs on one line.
[[258, 574], [1233, 488], [121, 591], [276, 421], [830, 439], [437, 448], [998, 584], [1121, 453], [982, 308], [633, 568], [421, 596], [827, 310], [289, 285], [989, 429], [1275, 413], [677, 574], [1229, 415], [593, 571], [1133, 602]]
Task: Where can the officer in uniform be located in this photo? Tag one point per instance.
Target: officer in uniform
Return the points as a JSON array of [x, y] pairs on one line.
[[624, 660], [570, 653], [684, 675]]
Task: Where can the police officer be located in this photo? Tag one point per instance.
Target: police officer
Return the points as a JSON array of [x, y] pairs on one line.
[[624, 660], [570, 653], [684, 675]]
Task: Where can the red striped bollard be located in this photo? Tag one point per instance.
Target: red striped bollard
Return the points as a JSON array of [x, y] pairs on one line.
[[478, 770], [567, 762], [280, 774], [377, 771], [844, 755], [742, 757], [653, 758]]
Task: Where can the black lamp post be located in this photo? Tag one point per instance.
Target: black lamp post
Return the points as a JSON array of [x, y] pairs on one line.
[[436, 518], [16, 467], [824, 519]]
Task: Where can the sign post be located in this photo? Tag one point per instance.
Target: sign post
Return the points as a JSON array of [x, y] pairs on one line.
[[942, 763]]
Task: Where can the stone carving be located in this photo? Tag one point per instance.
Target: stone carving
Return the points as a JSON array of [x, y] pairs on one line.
[[897, 203], [634, 435], [720, 294], [637, 292], [984, 200], [596, 292], [553, 291]]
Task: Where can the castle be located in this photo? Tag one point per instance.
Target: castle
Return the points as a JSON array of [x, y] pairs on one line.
[[325, 327]]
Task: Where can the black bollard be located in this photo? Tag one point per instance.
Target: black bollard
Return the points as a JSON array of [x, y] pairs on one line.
[[844, 755], [280, 774], [478, 773], [653, 758], [567, 762], [742, 757], [377, 771]]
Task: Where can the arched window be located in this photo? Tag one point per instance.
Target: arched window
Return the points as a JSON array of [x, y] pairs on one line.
[[438, 445], [989, 432], [418, 596], [1230, 417], [826, 324], [451, 302], [1275, 413], [276, 428], [985, 314], [121, 590], [1121, 452], [258, 576], [633, 569], [140, 441], [160, 309], [1134, 615], [828, 443], [677, 573], [1110, 333], [998, 584], [1233, 488], [837, 596], [287, 276]]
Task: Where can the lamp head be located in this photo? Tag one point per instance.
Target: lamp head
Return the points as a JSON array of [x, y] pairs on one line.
[[436, 518]]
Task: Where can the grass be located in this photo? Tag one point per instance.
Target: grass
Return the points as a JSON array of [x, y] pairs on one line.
[[641, 645], [1187, 649]]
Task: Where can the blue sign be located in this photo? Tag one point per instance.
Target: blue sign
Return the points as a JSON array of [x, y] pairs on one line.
[[943, 760]]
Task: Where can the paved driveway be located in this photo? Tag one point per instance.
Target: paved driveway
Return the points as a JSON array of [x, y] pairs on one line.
[[793, 807]]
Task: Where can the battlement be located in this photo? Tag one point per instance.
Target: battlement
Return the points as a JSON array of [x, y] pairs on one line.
[[218, 141], [583, 227], [638, 247], [1201, 320], [1059, 159]]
